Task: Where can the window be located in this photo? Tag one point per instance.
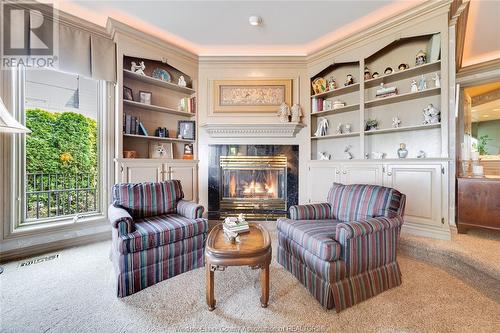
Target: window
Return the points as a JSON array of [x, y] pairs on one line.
[[60, 162]]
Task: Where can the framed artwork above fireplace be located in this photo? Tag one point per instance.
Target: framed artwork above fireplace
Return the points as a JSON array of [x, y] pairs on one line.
[[251, 95]]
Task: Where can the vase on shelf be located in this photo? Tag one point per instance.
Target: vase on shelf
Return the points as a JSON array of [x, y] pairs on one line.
[[402, 151]]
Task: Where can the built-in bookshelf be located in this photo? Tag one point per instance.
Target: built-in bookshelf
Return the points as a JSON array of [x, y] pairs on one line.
[[153, 105], [391, 98]]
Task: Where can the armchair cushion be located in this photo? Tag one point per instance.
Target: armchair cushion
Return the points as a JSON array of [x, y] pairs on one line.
[[361, 228], [190, 210], [316, 236], [120, 219], [148, 199], [319, 211], [159, 230], [358, 202]]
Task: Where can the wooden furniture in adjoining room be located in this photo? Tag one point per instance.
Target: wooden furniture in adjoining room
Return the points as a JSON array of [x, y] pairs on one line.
[[254, 250], [478, 203]]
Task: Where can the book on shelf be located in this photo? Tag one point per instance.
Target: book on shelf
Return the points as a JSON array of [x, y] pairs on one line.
[[188, 104], [132, 125], [142, 129]]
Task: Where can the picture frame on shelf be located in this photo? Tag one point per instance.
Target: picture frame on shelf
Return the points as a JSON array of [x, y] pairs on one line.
[[186, 129], [162, 150], [145, 97], [128, 94], [188, 151]]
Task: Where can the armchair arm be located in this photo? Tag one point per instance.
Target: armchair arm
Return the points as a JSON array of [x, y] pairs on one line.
[[321, 211], [190, 210], [368, 244], [120, 219]]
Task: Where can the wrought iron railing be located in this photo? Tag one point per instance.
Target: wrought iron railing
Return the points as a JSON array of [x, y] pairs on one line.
[[53, 195]]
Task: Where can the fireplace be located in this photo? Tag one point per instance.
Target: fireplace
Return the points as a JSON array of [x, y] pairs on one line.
[[258, 181]]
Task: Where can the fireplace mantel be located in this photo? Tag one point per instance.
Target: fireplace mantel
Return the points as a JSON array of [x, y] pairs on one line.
[[276, 130]]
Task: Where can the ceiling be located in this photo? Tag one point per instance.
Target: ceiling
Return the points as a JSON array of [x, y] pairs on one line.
[[222, 28]]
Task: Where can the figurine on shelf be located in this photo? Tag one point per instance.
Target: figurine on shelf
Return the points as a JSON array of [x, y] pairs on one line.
[[339, 129], [375, 75], [396, 122], [421, 154], [420, 58], [378, 155], [367, 74], [348, 154], [349, 80], [332, 85], [431, 115], [413, 86], [371, 125], [322, 127], [296, 113], [388, 71], [402, 151], [347, 128], [138, 69], [437, 80], [367, 156], [422, 83], [323, 156], [182, 81], [403, 67], [284, 112]]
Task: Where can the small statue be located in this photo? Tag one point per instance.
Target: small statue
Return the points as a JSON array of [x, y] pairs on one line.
[[138, 69], [396, 122], [413, 86], [332, 85], [348, 153], [431, 115], [296, 113], [284, 112], [402, 151], [349, 81], [182, 82], [437, 80], [322, 127], [339, 129], [403, 67], [422, 83], [388, 71], [323, 156], [375, 75], [347, 128], [367, 74], [420, 58], [421, 154], [378, 155]]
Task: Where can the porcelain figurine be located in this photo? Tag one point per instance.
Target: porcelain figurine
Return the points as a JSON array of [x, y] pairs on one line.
[[420, 58], [403, 67], [284, 112], [332, 85], [402, 151], [322, 127], [378, 155], [367, 74], [421, 154], [296, 113], [349, 80], [396, 122], [371, 124], [182, 81], [413, 86], [367, 156], [388, 71], [138, 69], [375, 75], [348, 154], [339, 129], [437, 80], [323, 156], [347, 128], [422, 83], [431, 115]]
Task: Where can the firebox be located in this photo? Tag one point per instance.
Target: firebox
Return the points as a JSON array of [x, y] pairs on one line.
[[251, 184]]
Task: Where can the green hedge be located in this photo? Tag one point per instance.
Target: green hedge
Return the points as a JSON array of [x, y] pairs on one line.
[[60, 142]]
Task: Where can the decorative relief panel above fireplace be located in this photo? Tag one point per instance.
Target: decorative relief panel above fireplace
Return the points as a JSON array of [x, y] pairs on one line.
[[277, 130]]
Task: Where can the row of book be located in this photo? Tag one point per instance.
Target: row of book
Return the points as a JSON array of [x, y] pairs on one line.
[[132, 125], [188, 104], [317, 104]]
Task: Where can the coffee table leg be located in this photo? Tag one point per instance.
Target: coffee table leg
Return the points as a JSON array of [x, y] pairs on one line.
[[264, 285], [210, 286]]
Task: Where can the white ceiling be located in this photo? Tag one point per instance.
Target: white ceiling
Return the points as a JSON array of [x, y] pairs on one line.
[[221, 27]]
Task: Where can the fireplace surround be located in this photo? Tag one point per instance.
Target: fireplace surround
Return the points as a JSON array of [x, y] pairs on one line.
[[260, 181]]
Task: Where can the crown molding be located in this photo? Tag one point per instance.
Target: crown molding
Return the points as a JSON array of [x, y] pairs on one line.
[[274, 60], [484, 72], [276, 130]]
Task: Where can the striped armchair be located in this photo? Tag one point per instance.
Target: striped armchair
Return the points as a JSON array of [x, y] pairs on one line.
[[156, 234], [344, 251]]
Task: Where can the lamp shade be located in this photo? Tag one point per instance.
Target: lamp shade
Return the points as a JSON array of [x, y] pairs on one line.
[[8, 123]]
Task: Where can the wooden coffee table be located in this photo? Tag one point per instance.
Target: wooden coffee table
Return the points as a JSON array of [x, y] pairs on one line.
[[254, 250]]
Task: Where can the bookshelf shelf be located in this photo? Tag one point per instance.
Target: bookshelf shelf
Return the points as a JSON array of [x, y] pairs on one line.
[[156, 108], [347, 108], [149, 137], [333, 136], [157, 82], [338, 91], [405, 74], [402, 129], [402, 97]]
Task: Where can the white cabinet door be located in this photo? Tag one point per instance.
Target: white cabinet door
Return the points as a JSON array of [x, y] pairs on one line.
[[186, 173], [422, 186], [371, 174], [138, 172], [320, 179]]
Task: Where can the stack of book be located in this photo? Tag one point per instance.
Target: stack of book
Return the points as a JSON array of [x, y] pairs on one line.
[[234, 225], [386, 92], [132, 125]]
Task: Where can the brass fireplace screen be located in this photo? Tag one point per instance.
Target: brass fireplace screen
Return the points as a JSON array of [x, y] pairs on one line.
[[253, 185]]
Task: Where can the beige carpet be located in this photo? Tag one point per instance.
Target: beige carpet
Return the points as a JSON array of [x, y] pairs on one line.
[[74, 293]]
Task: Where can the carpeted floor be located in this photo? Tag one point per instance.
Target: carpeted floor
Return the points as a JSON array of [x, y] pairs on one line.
[[74, 293]]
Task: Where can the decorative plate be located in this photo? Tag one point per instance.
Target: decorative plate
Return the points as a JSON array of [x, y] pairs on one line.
[[319, 85], [161, 74]]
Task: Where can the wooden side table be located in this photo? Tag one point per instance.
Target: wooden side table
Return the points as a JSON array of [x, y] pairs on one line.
[[254, 250]]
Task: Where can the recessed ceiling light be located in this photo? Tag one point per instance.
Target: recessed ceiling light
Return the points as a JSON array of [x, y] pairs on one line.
[[485, 116], [255, 20], [496, 109], [473, 110]]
